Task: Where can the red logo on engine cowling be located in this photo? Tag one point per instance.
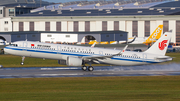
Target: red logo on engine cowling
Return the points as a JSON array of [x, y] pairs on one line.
[[162, 44]]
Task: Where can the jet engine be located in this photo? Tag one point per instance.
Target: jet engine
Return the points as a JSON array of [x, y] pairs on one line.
[[71, 61]]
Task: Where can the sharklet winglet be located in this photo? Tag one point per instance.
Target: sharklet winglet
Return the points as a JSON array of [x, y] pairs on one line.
[[93, 44]]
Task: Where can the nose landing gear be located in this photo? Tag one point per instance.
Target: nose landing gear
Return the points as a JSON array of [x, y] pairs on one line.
[[22, 63]]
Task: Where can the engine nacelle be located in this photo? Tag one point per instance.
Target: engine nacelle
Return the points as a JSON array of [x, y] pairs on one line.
[[71, 61]]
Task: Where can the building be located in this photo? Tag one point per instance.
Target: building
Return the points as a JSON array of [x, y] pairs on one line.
[[64, 37], [9, 8], [138, 18]]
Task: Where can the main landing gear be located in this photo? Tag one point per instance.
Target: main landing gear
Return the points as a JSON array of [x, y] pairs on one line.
[[22, 63], [90, 68]]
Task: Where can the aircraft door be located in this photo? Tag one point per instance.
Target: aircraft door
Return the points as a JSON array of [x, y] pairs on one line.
[[58, 49], [101, 52], [25, 44], [144, 57]]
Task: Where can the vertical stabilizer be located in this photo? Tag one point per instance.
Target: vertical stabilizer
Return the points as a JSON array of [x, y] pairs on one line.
[[161, 45], [155, 35]]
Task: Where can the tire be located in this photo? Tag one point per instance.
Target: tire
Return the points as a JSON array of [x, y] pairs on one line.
[[90, 68], [22, 63], [84, 68]]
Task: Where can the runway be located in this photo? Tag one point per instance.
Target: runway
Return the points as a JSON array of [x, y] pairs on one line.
[[39, 72]]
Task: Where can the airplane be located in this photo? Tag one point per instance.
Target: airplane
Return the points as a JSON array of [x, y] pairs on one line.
[[137, 40], [145, 40], [72, 55], [2, 42]]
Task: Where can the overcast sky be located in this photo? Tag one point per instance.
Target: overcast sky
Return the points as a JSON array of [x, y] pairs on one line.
[[57, 1]]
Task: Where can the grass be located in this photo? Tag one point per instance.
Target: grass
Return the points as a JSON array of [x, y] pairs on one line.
[[14, 61], [176, 57], [152, 88], [141, 88]]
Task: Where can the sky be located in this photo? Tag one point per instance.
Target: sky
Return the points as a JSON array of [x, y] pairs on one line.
[[57, 1]]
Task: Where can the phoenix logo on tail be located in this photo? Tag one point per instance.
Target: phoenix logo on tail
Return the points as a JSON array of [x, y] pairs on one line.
[[162, 44]]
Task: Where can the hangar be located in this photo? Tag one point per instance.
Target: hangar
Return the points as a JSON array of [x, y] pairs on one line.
[[138, 18], [64, 37]]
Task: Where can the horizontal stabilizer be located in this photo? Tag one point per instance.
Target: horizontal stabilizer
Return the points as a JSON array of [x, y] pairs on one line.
[[163, 58]]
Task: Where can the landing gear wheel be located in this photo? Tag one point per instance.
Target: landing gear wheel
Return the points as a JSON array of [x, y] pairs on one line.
[[22, 63], [90, 68], [84, 68]]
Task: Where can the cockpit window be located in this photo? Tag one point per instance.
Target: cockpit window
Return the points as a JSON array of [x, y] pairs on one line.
[[14, 45]]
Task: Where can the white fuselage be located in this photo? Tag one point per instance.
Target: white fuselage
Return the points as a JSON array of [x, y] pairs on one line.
[[138, 40], [61, 52], [135, 40]]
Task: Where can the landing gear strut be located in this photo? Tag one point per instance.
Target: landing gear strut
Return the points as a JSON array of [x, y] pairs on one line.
[[89, 68], [22, 63]]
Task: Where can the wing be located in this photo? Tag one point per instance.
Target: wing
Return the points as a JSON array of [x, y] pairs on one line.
[[103, 56], [93, 44]]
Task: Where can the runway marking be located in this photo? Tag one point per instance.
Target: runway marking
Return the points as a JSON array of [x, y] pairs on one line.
[[110, 73], [6, 75], [37, 72], [56, 68], [98, 73], [58, 74]]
